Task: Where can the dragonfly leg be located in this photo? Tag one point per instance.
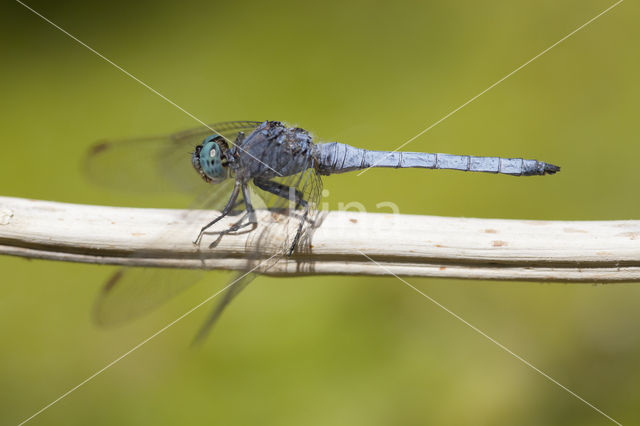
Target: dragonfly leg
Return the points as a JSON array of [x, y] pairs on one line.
[[247, 203], [287, 193], [282, 191], [237, 204], [251, 215], [232, 229], [225, 211]]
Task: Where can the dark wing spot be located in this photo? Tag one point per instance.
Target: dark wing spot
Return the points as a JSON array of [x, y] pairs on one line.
[[112, 281], [99, 147]]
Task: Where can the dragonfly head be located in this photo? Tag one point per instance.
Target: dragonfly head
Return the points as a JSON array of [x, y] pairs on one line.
[[209, 159]]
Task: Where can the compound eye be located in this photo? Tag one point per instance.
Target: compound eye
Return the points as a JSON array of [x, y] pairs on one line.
[[210, 162]]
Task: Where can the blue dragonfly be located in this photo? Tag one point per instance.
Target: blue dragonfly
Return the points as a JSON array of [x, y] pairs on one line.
[[240, 166]]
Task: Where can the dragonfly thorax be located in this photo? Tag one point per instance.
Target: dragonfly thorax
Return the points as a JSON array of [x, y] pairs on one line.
[[209, 159]]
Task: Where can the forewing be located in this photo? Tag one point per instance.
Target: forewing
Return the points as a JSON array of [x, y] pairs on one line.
[[156, 164], [227, 129]]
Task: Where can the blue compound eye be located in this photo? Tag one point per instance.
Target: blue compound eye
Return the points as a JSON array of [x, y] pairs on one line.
[[210, 160]]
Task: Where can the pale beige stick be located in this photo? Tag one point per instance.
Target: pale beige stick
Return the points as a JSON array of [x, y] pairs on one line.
[[427, 246]]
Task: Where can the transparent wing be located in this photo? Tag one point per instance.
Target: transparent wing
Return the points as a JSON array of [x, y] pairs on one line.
[[156, 164], [308, 185], [281, 231], [236, 285], [133, 292]]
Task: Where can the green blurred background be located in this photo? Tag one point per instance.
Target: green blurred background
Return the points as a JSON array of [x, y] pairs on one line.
[[331, 350]]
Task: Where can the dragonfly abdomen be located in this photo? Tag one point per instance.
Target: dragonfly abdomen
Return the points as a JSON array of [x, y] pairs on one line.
[[507, 166], [336, 157]]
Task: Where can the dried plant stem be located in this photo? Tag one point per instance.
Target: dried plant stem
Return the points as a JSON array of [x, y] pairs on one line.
[[426, 246]]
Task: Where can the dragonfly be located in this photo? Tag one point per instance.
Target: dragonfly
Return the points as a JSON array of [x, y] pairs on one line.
[[240, 167]]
